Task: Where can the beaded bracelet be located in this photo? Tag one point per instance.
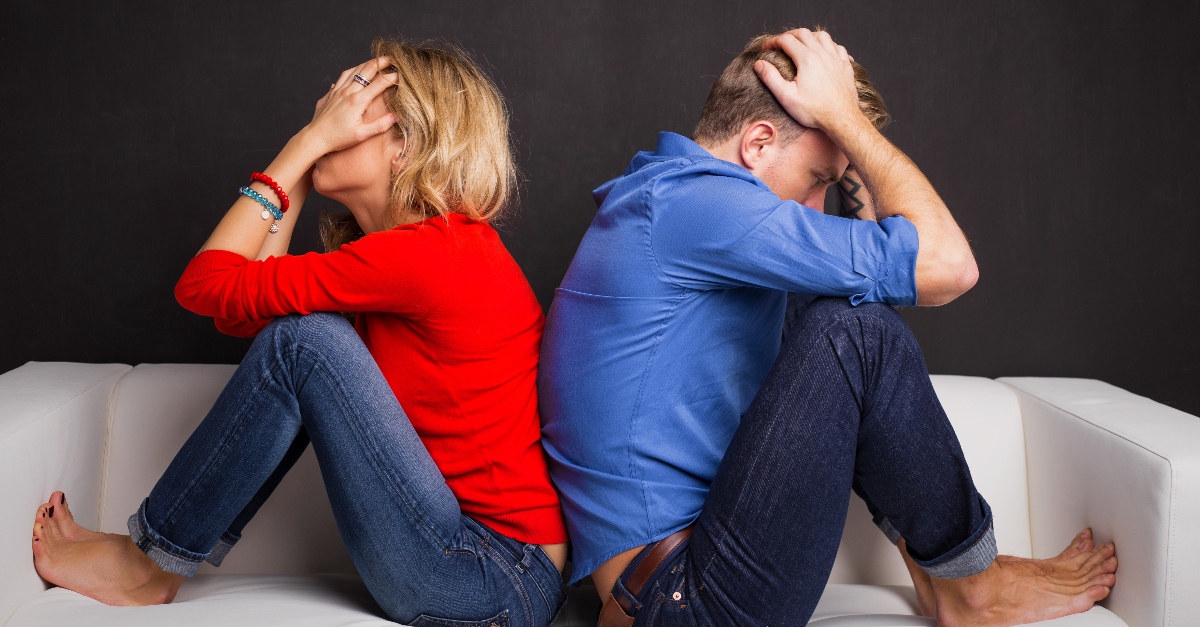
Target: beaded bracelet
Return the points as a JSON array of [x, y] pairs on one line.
[[271, 210], [270, 182]]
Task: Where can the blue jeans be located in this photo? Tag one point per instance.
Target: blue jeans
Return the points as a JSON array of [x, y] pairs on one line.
[[310, 378], [847, 405]]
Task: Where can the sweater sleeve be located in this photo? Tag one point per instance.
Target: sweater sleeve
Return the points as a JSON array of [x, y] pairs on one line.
[[387, 271]]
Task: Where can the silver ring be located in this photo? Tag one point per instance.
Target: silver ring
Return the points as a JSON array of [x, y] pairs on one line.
[[361, 81]]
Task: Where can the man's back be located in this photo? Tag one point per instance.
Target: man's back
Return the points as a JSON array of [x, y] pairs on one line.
[[666, 325]]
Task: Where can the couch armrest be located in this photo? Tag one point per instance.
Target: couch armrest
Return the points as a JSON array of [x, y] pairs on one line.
[[1129, 468], [53, 419]]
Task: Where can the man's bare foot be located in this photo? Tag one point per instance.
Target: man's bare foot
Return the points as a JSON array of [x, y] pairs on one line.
[[1016, 590], [921, 581], [105, 567], [57, 509]]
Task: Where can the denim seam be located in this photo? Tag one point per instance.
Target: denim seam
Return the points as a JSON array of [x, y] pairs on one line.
[[529, 556], [372, 452], [737, 506], [170, 558], [221, 450], [513, 578]]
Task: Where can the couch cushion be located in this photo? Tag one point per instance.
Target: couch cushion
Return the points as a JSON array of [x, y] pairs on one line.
[[987, 418], [333, 600], [52, 421], [154, 410]]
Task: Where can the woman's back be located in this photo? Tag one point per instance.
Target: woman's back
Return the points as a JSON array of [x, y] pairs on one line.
[[455, 328]]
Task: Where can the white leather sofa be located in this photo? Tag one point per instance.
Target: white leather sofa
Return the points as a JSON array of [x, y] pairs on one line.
[[1052, 456]]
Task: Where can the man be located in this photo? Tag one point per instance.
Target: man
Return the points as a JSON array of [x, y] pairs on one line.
[[705, 468]]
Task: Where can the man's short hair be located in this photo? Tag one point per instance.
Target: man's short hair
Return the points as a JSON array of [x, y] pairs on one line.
[[739, 97]]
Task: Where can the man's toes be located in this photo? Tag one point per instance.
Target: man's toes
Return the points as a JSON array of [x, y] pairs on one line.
[[1097, 593]]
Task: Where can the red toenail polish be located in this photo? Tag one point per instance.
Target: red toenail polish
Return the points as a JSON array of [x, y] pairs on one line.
[[52, 511]]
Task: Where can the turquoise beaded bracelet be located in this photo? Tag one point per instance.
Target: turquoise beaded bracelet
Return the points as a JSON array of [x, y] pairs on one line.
[[271, 209]]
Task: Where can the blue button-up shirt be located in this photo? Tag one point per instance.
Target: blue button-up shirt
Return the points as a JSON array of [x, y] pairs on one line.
[[666, 324]]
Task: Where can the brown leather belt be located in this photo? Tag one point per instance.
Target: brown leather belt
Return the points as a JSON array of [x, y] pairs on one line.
[[615, 612]]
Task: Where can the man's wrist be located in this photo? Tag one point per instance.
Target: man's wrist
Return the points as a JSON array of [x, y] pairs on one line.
[[842, 128]]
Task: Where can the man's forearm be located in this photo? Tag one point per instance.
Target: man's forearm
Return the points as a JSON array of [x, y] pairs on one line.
[[945, 265]]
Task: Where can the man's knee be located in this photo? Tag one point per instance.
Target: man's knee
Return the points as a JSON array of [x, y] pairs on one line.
[[826, 317]]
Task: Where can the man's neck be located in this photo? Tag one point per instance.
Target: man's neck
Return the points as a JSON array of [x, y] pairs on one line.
[[728, 150]]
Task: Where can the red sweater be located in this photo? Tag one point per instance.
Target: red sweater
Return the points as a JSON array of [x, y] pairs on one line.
[[455, 328]]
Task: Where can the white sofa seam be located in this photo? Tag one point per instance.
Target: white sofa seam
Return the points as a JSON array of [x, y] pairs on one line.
[[112, 397], [59, 404]]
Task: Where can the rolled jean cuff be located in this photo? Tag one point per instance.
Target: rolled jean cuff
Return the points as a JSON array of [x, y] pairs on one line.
[[969, 558], [888, 530], [169, 557], [221, 548]]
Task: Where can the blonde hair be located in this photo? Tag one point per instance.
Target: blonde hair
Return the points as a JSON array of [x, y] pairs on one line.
[[739, 97], [454, 125]]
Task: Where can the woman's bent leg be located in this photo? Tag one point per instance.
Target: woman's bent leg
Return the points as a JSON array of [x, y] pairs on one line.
[[402, 525]]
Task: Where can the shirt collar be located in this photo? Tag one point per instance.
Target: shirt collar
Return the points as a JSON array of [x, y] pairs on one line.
[[676, 145]]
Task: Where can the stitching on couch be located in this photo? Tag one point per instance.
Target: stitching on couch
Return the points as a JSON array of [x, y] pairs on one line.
[[57, 405], [112, 399]]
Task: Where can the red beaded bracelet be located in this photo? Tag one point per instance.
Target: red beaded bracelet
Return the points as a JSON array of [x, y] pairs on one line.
[[270, 182]]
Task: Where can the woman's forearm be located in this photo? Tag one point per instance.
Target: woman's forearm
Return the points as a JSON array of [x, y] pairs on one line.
[[276, 244], [242, 230]]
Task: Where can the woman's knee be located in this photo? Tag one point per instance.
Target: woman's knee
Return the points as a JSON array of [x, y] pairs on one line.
[[314, 327]]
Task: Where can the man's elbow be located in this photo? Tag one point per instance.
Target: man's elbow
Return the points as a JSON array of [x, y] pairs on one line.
[[952, 279]]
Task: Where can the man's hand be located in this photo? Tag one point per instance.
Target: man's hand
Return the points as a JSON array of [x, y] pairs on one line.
[[823, 96], [823, 89]]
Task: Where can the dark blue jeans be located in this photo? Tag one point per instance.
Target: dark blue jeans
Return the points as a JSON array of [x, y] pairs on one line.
[[847, 405], [310, 378]]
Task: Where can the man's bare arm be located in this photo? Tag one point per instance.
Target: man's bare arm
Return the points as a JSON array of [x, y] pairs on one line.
[[823, 96], [856, 200]]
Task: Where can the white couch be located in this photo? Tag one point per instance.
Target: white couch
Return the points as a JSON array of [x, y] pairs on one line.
[[1052, 456]]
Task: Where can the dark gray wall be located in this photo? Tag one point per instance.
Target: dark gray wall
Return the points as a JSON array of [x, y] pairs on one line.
[[1062, 135]]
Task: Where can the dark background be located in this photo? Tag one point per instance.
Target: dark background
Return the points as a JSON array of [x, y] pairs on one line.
[[1061, 134]]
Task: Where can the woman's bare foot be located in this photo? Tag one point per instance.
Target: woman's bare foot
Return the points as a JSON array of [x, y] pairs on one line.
[[105, 567], [1015, 590], [57, 509]]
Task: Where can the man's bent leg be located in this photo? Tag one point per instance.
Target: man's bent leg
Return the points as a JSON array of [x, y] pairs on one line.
[[848, 403]]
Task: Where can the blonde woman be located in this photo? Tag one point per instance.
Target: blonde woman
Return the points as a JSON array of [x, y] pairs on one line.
[[423, 415]]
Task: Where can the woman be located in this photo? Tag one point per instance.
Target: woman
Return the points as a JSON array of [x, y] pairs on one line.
[[445, 505]]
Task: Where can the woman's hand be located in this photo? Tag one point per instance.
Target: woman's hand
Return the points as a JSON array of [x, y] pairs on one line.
[[338, 121]]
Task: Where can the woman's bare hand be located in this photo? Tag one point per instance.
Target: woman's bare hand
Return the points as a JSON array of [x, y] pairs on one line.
[[338, 122]]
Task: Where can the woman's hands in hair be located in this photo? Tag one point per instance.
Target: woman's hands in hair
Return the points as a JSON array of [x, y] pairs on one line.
[[338, 122]]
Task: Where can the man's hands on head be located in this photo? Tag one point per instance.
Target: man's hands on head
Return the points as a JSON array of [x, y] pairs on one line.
[[823, 96], [823, 89]]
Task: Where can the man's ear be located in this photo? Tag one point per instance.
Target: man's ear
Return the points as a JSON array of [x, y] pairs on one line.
[[760, 141]]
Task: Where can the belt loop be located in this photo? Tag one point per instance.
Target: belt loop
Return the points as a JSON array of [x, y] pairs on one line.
[[614, 613]]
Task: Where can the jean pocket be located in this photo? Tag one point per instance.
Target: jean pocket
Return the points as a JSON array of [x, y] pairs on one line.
[[499, 620]]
